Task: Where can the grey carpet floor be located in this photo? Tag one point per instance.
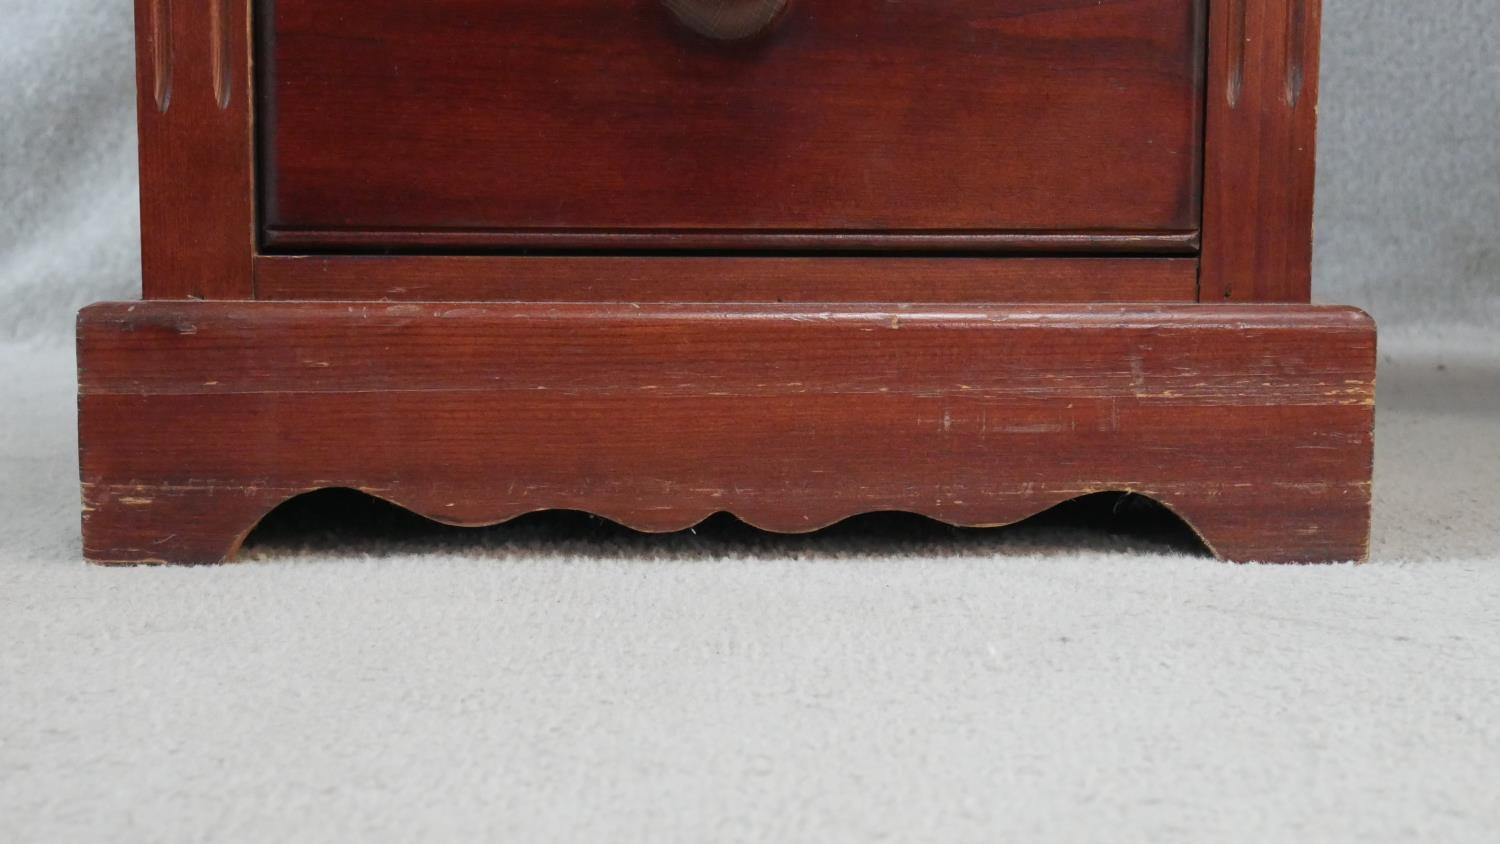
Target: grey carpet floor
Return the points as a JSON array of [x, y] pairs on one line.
[[558, 679]]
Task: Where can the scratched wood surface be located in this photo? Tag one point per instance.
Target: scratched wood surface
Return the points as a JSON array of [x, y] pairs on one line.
[[1259, 166], [1253, 423]]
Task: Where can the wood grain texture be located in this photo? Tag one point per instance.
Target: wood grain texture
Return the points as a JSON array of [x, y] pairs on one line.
[[1259, 164], [194, 120], [1253, 423], [706, 279], [463, 124]]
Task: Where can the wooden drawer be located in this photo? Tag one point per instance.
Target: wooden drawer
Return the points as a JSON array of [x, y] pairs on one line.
[[465, 125]]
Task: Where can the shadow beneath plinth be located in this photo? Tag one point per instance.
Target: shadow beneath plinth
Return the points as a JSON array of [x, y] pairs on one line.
[[346, 523]]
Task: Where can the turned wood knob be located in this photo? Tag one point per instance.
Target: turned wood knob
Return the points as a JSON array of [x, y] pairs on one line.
[[727, 20]]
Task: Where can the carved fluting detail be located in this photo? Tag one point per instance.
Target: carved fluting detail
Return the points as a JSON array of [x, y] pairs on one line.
[[197, 418], [1239, 14], [162, 46], [161, 54], [1293, 47], [1260, 129], [197, 219], [1296, 51], [219, 51]]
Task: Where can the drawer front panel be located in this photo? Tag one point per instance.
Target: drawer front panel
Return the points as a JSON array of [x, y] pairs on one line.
[[848, 123]]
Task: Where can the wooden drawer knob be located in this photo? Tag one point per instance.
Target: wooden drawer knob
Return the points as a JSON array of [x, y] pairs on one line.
[[727, 20]]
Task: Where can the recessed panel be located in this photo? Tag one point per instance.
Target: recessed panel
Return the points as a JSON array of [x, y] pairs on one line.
[[461, 124]]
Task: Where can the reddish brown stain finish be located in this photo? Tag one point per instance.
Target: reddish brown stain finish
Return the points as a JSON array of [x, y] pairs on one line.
[[880, 224], [725, 279], [1260, 151], [1253, 423], [196, 154], [464, 124]]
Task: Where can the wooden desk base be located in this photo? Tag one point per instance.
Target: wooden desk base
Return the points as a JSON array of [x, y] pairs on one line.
[[1252, 422]]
